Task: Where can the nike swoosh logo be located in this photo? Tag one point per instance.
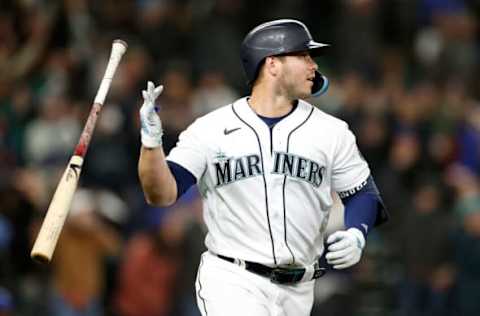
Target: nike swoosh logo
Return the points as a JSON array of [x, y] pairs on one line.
[[228, 131], [365, 226]]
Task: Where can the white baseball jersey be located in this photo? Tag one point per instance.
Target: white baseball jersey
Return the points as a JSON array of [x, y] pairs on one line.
[[267, 194]]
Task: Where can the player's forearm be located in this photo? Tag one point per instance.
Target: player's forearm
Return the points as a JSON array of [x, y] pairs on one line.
[[158, 183]]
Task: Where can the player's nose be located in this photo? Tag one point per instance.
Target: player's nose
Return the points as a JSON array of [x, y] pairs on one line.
[[312, 63]]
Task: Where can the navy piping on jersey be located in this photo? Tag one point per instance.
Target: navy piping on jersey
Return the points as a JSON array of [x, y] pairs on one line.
[[200, 287], [272, 121], [284, 185], [264, 182]]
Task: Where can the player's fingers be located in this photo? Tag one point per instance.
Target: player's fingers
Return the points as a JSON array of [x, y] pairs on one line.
[[346, 257], [335, 237], [340, 256], [334, 255], [342, 266], [147, 104], [158, 90], [347, 264], [339, 245], [150, 87]]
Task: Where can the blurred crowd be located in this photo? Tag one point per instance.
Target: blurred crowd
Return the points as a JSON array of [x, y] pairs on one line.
[[404, 74]]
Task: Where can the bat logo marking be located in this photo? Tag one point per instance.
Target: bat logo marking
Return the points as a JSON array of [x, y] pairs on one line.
[[75, 169]]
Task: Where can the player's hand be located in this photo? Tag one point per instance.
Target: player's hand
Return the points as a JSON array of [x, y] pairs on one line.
[[345, 248], [151, 126]]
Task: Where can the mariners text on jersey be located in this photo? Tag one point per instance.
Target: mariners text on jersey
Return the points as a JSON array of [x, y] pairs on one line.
[[230, 170], [268, 191]]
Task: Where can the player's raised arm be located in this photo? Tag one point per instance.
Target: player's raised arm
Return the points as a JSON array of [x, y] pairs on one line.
[[158, 183]]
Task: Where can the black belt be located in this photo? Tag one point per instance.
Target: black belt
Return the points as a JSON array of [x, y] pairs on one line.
[[280, 275]]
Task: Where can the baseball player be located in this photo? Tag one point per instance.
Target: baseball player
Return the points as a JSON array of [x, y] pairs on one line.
[[266, 166]]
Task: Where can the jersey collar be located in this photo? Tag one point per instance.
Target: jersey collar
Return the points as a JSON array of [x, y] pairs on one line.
[[290, 121]]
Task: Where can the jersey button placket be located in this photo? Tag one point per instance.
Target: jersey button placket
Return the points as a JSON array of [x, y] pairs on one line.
[[276, 192], [274, 215]]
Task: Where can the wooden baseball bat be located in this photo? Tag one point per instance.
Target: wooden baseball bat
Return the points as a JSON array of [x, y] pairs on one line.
[[57, 212]]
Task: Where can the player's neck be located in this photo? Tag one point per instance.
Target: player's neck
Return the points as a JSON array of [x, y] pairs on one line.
[[269, 104]]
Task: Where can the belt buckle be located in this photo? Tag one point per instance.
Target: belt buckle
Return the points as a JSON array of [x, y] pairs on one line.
[[319, 272], [286, 276]]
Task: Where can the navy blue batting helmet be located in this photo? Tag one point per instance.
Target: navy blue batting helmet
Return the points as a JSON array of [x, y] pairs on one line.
[[276, 38]]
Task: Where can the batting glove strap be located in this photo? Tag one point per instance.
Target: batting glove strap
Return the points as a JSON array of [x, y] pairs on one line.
[[345, 248], [151, 139], [151, 131]]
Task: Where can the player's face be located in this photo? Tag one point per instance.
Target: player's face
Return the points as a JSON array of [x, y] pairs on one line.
[[298, 71]]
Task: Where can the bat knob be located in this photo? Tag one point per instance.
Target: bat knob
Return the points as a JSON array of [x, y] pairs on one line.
[[120, 45]]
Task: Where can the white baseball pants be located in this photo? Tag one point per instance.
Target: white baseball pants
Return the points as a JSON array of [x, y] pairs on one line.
[[224, 288]]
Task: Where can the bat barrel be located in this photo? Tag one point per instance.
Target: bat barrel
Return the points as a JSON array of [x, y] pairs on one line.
[[40, 258], [57, 212]]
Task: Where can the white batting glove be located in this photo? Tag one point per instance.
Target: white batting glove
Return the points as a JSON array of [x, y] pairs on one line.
[[151, 131], [345, 248]]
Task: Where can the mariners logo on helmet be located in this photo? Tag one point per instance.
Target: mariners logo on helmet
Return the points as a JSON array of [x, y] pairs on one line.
[[276, 38]]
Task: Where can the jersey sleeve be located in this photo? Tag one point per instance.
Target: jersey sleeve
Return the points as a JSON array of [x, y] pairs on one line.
[[349, 170], [365, 209], [190, 150], [184, 178]]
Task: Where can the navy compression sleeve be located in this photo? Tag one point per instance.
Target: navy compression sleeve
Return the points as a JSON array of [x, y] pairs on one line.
[[184, 178], [364, 209]]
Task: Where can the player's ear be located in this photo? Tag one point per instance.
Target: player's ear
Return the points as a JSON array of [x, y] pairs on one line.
[[271, 65]]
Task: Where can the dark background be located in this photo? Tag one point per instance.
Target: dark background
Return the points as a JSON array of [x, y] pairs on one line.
[[404, 75]]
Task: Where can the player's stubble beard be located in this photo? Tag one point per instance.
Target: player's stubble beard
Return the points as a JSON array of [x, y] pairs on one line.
[[294, 84], [296, 88]]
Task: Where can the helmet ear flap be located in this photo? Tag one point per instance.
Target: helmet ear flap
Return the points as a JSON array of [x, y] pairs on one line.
[[320, 84]]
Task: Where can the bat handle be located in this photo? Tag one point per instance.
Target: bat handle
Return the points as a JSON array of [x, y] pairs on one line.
[[118, 49]]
